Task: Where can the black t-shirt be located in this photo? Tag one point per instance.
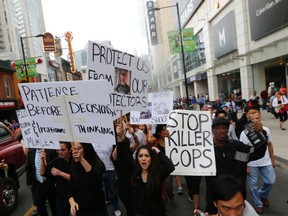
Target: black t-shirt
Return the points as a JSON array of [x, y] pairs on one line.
[[86, 188], [61, 183]]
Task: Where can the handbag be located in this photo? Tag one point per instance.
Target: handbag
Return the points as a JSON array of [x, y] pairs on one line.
[[286, 107]]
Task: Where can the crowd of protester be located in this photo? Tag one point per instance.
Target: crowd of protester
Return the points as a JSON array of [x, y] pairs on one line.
[[84, 178]]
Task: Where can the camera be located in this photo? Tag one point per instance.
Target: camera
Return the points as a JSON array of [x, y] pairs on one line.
[[256, 138]]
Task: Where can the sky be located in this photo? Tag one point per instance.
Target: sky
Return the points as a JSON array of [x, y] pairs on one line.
[[114, 20]]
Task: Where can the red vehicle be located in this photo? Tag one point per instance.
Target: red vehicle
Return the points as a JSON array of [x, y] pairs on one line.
[[12, 153]]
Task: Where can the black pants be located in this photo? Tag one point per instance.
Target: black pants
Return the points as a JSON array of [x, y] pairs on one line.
[[42, 192]]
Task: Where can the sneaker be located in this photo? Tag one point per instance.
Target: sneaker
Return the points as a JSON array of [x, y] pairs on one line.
[[108, 202], [35, 211], [117, 213], [180, 191]]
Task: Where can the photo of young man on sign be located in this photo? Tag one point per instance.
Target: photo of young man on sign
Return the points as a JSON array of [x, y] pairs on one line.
[[123, 78]]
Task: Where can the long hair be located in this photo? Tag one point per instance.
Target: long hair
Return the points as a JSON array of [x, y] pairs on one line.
[[153, 180], [91, 156], [158, 129]]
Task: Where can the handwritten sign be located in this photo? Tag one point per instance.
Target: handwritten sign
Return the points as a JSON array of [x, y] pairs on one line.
[[126, 74], [190, 143], [30, 140], [70, 111], [159, 106]]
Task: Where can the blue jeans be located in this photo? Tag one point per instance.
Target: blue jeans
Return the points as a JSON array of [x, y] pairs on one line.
[[268, 178], [110, 183]]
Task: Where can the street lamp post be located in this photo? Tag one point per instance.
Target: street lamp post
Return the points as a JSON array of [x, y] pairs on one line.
[[181, 44], [23, 53]]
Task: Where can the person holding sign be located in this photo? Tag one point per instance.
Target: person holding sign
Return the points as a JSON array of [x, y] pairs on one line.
[[59, 168], [148, 175], [122, 156], [231, 157], [158, 140], [122, 86], [152, 167], [86, 196]]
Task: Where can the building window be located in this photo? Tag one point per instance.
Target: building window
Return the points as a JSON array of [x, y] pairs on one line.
[[196, 58], [7, 87]]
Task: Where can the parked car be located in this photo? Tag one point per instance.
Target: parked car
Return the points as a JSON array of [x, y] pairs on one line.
[[12, 153]]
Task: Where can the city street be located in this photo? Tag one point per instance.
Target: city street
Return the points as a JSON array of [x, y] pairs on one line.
[[182, 206]]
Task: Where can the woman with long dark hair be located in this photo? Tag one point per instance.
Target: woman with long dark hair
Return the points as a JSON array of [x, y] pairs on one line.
[[86, 196], [151, 169], [142, 178]]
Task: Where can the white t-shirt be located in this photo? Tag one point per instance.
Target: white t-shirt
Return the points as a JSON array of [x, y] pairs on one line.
[[104, 152], [264, 161], [249, 210]]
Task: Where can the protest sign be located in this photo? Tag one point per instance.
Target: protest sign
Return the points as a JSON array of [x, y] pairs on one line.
[[126, 74], [75, 111], [190, 143], [159, 106], [30, 140]]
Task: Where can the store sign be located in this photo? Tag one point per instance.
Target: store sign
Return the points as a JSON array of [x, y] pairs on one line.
[[152, 23], [48, 42], [224, 35], [189, 10], [267, 16], [6, 104]]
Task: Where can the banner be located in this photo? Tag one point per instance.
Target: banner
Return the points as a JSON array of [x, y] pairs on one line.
[[175, 42], [160, 104], [190, 143], [125, 74], [31, 68], [74, 111], [30, 140]]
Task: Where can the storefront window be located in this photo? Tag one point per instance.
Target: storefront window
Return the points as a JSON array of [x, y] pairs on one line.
[[7, 87], [229, 83]]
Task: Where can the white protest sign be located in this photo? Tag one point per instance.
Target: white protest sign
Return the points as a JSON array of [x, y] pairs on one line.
[[75, 111], [30, 141], [190, 143], [126, 74], [159, 106]]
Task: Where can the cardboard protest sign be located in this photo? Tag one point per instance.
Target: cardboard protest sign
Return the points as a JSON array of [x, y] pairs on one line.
[[126, 74], [190, 143], [159, 106], [75, 111], [30, 140]]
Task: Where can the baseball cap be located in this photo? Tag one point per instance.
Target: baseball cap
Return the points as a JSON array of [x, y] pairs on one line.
[[220, 121]]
